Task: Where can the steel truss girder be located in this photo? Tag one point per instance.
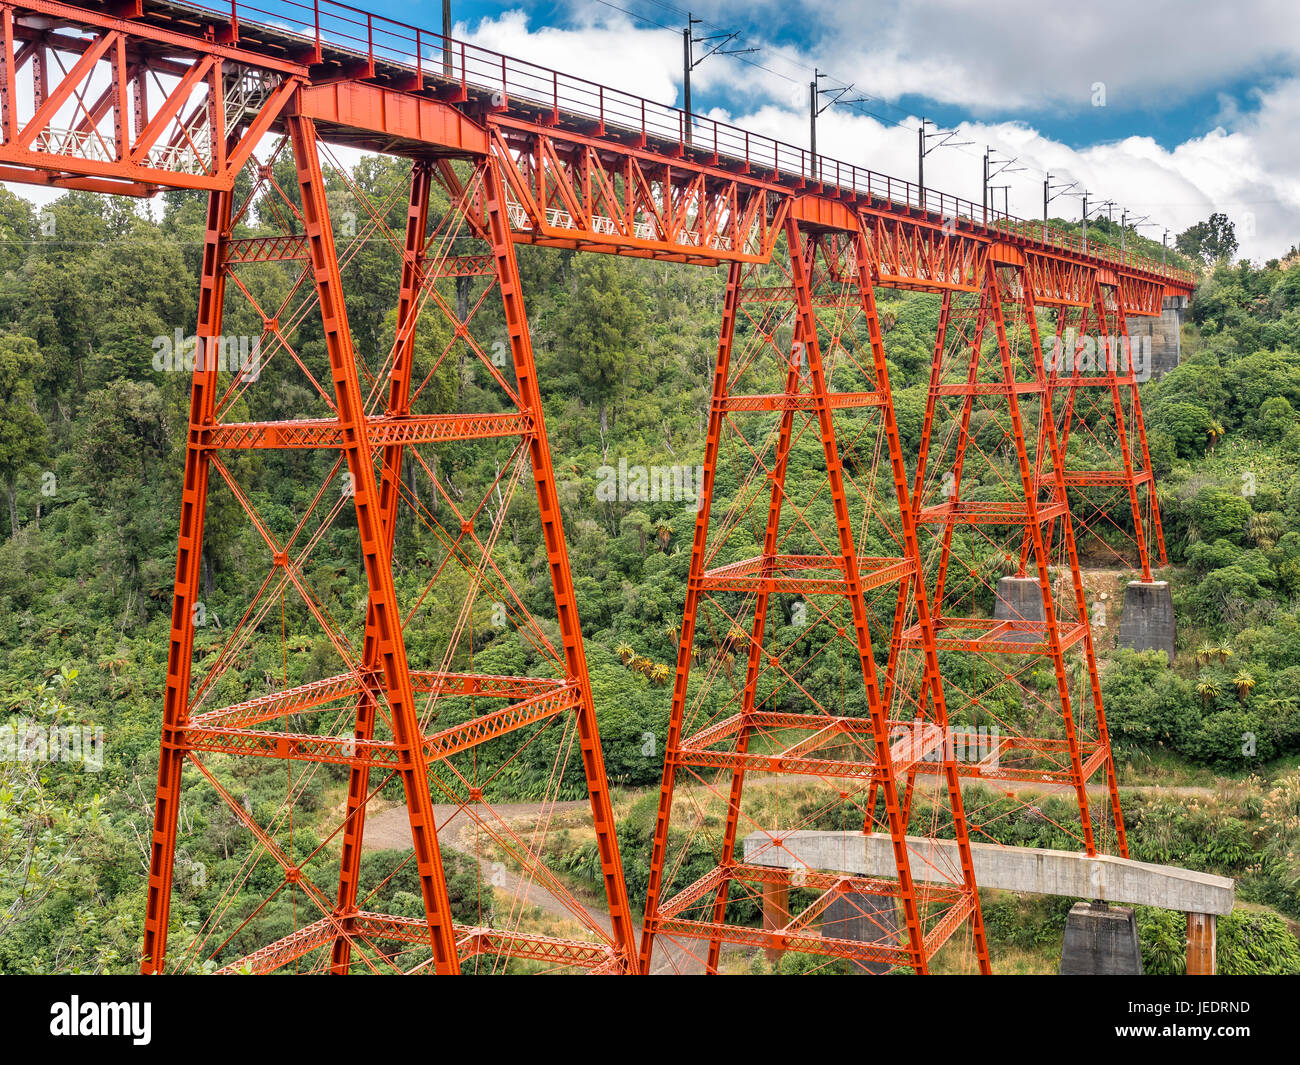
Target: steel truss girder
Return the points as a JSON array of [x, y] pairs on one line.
[[778, 574], [375, 754], [921, 257], [799, 934], [924, 249], [321, 693], [1059, 282], [569, 191], [1140, 296], [382, 431], [913, 746], [1005, 637], [470, 942], [102, 117]]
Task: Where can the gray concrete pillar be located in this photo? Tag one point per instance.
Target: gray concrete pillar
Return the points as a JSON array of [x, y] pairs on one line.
[[1020, 599], [1148, 622], [1157, 341], [865, 918], [1101, 940]]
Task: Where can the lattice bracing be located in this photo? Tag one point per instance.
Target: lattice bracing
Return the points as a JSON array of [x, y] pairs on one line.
[[1094, 370], [782, 717], [381, 707], [1010, 617]]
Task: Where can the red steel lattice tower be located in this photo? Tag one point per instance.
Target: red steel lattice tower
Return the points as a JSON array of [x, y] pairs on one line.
[[804, 553], [433, 723], [1016, 651], [1093, 375]]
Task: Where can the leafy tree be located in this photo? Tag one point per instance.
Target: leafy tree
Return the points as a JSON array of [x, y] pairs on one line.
[[1276, 416], [600, 330], [1231, 739], [1186, 424], [1210, 241], [1218, 513], [1146, 702], [22, 432], [57, 845], [1286, 292]]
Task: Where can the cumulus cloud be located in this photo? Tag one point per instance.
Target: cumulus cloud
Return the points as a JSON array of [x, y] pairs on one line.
[[1023, 54], [949, 50]]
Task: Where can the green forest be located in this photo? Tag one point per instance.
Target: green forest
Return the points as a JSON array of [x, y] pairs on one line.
[[92, 445]]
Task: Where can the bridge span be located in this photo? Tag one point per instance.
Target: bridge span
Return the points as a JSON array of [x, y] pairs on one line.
[[884, 549]]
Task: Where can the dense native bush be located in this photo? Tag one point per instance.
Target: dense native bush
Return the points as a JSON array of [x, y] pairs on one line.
[[627, 350]]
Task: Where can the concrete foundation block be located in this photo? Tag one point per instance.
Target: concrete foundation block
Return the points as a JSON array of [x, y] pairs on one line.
[[1157, 340], [865, 918], [1020, 599], [1101, 941], [1148, 620]]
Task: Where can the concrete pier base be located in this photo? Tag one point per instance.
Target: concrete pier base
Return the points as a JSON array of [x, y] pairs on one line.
[[1101, 940], [1157, 346], [871, 919], [1025, 870], [1020, 599], [1148, 620]]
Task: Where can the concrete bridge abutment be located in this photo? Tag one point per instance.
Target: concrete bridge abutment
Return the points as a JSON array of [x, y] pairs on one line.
[[1147, 623], [1020, 601]]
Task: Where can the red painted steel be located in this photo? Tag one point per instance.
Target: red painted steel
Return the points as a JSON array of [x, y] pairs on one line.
[[979, 499], [180, 649], [509, 85], [1094, 378], [336, 42], [399, 401], [122, 107], [392, 728], [851, 755]]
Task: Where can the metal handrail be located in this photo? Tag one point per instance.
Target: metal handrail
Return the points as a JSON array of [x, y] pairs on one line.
[[375, 38]]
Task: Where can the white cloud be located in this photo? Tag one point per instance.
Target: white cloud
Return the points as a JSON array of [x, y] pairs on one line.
[[1016, 54], [1244, 166], [605, 51]]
